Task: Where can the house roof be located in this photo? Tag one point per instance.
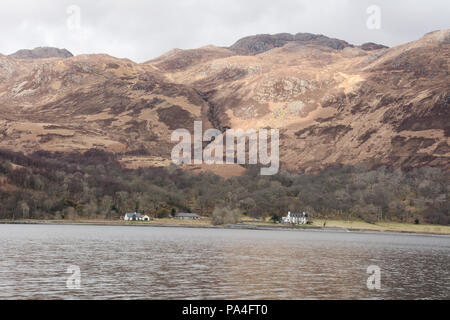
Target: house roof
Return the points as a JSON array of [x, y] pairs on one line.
[[187, 215], [131, 214], [295, 215]]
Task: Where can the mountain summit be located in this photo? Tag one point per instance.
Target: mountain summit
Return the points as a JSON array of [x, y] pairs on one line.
[[41, 53], [261, 43]]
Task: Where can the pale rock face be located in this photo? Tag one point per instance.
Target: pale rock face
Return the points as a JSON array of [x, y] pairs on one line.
[[444, 36], [282, 89], [6, 67], [247, 112]]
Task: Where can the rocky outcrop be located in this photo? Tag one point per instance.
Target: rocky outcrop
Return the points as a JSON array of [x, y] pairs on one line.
[[254, 45], [41, 53], [370, 46]]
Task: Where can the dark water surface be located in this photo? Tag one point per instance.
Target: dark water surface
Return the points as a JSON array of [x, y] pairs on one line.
[[125, 262]]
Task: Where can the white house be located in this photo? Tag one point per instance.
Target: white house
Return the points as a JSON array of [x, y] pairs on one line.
[[295, 218], [134, 216]]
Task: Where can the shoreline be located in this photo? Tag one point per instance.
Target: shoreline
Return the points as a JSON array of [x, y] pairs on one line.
[[228, 226]]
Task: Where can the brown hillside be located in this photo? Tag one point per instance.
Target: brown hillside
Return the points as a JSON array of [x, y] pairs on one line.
[[333, 102]]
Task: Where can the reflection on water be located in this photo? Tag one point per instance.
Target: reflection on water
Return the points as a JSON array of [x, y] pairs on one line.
[[121, 262]]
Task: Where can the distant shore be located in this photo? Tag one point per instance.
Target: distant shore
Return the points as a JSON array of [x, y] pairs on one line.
[[330, 225]]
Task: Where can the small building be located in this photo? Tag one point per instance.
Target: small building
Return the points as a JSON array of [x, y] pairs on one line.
[[187, 216], [134, 216], [295, 218]]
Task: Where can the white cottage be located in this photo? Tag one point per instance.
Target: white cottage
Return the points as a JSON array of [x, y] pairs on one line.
[[134, 216], [295, 218]]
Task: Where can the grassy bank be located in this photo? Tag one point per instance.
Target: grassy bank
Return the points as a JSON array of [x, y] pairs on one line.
[[205, 222], [385, 226], [380, 226]]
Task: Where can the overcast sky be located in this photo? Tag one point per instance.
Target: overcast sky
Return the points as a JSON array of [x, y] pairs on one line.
[[144, 29]]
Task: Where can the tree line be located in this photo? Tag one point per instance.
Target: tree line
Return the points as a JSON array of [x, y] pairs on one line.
[[53, 185]]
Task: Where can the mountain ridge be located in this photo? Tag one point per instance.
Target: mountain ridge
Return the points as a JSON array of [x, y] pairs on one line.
[[334, 103]]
